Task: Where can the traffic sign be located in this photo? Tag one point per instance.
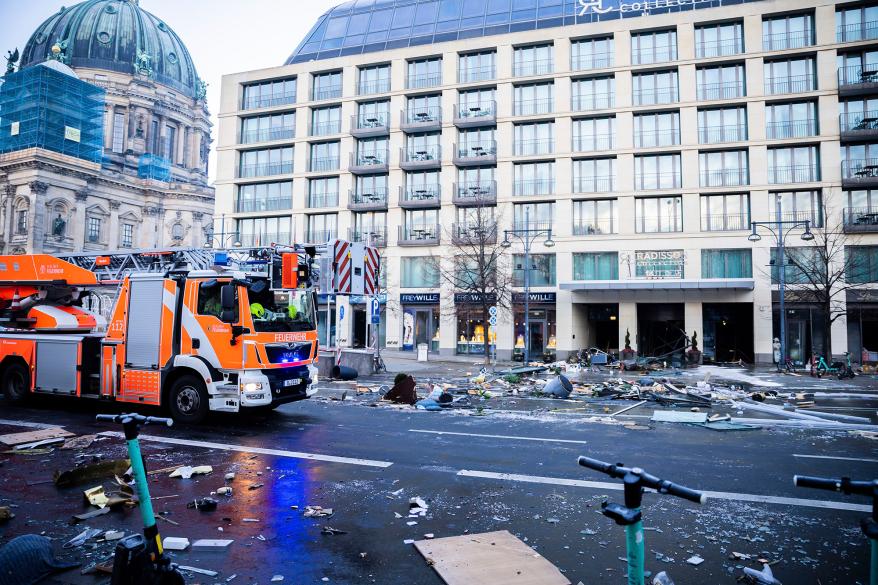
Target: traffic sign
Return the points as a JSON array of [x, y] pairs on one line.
[[492, 311], [374, 311], [492, 321]]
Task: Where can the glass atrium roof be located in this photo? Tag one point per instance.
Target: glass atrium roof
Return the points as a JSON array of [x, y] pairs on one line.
[[366, 26]]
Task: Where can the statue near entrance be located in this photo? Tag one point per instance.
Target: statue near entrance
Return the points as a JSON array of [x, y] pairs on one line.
[[59, 225]]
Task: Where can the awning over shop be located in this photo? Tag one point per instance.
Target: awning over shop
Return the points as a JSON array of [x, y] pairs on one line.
[[660, 284]]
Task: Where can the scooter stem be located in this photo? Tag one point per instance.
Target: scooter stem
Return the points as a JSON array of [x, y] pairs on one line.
[[150, 530], [636, 547], [873, 573]]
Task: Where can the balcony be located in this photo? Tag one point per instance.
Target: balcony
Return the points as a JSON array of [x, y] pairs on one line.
[[593, 184], [427, 119], [418, 235], [725, 223], [322, 200], [531, 68], [330, 92], [420, 197], [591, 61], [719, 134], [369, 163], [790, 129], [264, 204], [255, 240], [593, 227], [373, 86], [719, 48], [372, 199], [592, 101], [319, 236], [476, 74], [594, 142], [533, 107], [857, 80], [473, 154], [423, 80], [474, 233], [475, 194], [724, 177], [858, 125], [793, 174], [860, 220], [265, 170], [859, 31], [269, 101], [374, 236], [326, 128], [658, 96], [790, 84], [370, 125], [475, 115], [268, 134], [720, 91], [420, 158], [656, 138], [534, 187], [787, 40], [859, 173], [324, 164]]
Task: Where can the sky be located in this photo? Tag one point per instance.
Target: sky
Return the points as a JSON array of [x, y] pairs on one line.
[[223, 36]]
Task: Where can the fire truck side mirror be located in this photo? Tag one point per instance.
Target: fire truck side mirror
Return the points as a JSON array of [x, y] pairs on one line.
[[228, 302]]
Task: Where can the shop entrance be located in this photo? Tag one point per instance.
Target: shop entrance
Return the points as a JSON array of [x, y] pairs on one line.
[[660, 329], [359, 334], [420, 325], [603, 327], [728, 332], [863, 333]]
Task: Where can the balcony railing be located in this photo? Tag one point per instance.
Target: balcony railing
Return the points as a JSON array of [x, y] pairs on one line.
[[319, 236], [321, 200], [326, 128], [592, 101], [366, 125], [717, 134], [420, 196], [725, 223], [860, 219], [790, 84], [329, 92], [593, 227], [594, 142], [268, 134], [374, 236], [254, 240], [658, 224], [421, 119], [719, 48], [809, 215], [477, 114], [790, 129], [535, 67], [671, 180], [591, 61], [264, 204], [858, 77], [369, 162], [483, 152], [533, 107], [474, 233], [534, 187], [265, 170], [423, 80], [651, 97], [475, 193], [859, 31], [419, 235], [658, 54], [858, 124], [324, 164], [724, 177], [371, 199], [651, 139], [534, 224], [373, 86], [862, 171], [534, 147], [593, 184], [420, 157], [269, 101], [793, 174], [720, 91], [476, 74], [783, 40]]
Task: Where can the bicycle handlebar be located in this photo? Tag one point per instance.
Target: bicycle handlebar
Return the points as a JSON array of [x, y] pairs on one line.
[[660, 485], [844, 485], [134, 417]]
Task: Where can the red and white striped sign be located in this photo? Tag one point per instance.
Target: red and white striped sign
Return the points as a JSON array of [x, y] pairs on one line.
[[373, 264], [342, 263]]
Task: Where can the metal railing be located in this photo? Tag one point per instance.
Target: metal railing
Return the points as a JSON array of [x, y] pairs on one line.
[[658, 180], [263, 204], [375, 236], [535, 67], [423, 80], [471, 112], [790, 84], [475, 192], [378, 121], [720, 91], [790, 129], [421, 154], [371, 158], [593, 184], [254, 240], [326, 128], [268, 134], [374, 198], [595, 142], [862, 169], [857, 75], [793, 174], [724, 177], [534, 187], [265, 170], [324, 164], [593, 227], [725, 223], [658, 54], [421, 195], [319, 236], [419, 235], [533, 107], [591, 61], [474, 233], [656, 138], [860, 219], [658, 224], [254, 103], [476, 74], [858, 121], [651, 97], [426, 116], [787, 40], [860, 31], [809, 215], [719, 48], [373, 86], [475, 151], [520, 224], [717, 134], [319, 200], [593, 101], [533, 147], [326, 93]]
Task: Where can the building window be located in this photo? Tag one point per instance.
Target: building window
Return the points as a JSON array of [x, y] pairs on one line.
[[269, 94], [266, 162], [322, 227], [861, 264], [788, 32], [595, 217], [325, 121], [541, 270], [326, 86], [373, 114], [592, 134], [265, 197], [370, 226], [21, 222], [798, 164], [596, 53], [790, 75], [860, 205], [126, 239], [266, 128], [719, 40], [178, 231], [419, 272], [657, 171], [155, 139], [721, 82], [324, 157], [424, 73], [653, 47], [260, 231], [596, 266], [372, 151], [656, 129], [858, 114], [791, 120], [534, 178], [374, 79], [533, 99], [475, 67], [656, 87], [421, 224], [801, 264], [93, 229], [423, 147], [797, 206], [534, 139], [859, 23], [724, 168], [323, 192], [170, 148], [594, 175], [719, 125], [725, 212], [658, 214], [118, 132], [594, 93], [533, 60], [726, 263]]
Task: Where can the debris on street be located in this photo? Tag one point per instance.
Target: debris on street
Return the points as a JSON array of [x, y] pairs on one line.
[[187, 471]]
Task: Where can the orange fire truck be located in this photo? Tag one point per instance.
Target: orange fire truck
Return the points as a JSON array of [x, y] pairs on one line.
[[190, 330]]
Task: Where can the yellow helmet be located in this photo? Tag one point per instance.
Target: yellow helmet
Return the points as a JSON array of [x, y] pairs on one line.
[[257, 310], [292, 311]]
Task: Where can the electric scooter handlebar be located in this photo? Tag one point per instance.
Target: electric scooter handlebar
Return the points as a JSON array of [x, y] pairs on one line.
[[660, 485], [134, 417], [844, 485]]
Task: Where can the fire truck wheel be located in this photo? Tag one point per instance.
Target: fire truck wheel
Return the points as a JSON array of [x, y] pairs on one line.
[[188, 400], [16, 383]]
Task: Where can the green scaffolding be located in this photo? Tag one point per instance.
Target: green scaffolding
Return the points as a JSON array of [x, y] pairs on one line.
[[41, 107]]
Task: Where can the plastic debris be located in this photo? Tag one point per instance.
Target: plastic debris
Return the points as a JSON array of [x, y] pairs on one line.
[[763, 577], [175, 543], [211, 543], [113, 535], [317, 512], [224, 491], [205, 572], [187, 471], [695, 560], [82, 537], [277, 578], [560, 387], [332, 531], [203, 504], [79, 442], [662, 579], [96, 497]]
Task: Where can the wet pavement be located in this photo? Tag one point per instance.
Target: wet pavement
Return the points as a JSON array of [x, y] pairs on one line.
[[510, 465]]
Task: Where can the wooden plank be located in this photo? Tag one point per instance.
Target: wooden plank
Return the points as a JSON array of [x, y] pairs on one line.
[[34, 436], [491, 558]]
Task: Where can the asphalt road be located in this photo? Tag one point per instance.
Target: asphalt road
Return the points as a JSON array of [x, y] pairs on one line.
[[506, 470]]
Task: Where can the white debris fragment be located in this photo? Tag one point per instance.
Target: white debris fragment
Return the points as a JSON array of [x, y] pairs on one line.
[[695, 560]]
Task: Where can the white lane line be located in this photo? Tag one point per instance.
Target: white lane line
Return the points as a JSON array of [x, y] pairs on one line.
[[835, 458], [710, 495], [25, 423], [549, 440], [259, 450]]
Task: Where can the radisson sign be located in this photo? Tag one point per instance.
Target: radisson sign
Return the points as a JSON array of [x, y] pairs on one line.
[[587, 7]]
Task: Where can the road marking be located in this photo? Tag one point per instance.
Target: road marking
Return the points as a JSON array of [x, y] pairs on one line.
[[26, 423], [602, 485], [258, 450], [838, 458], [499, 436]]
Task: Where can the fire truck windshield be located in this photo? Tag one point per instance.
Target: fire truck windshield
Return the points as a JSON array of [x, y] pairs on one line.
[[282, 311]]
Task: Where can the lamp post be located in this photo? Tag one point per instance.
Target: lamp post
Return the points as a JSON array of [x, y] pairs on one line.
[[780, 229], [527, 236], [222, 240]]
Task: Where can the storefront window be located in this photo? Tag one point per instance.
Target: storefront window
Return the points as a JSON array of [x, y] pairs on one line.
[[420, 325], [472, 326], [542, 324]]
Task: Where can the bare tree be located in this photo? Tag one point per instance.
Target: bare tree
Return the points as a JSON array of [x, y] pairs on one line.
[[479, 266]]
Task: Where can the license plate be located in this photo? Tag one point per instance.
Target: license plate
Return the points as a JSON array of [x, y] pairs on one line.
[[292, 382]]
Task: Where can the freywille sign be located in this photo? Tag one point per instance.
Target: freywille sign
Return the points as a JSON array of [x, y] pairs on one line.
[[597, 6], [659, 263]]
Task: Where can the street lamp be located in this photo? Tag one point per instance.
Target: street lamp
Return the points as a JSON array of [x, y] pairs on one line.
[[527, 236], [222, 240], [780, 229]]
